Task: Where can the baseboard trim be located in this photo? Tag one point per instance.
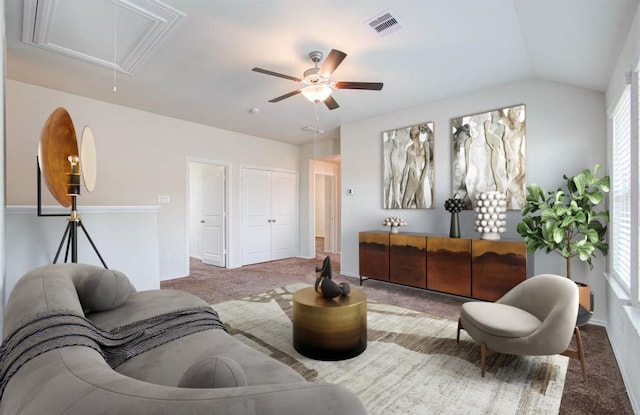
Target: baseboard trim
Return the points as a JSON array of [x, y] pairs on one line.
[[635, 404]]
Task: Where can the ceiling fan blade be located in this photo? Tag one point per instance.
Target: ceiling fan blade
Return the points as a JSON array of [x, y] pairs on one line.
[[280, 75], [285, 96], [330, 64], [331, 103], [373, 86]]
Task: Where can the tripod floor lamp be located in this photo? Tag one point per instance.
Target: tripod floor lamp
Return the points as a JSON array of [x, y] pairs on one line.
[[64, 168]]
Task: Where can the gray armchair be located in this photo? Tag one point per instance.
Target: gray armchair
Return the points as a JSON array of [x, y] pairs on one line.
[[536, 317]]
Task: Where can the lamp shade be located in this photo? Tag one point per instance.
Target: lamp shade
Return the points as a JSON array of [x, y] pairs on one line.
[[316, 93]]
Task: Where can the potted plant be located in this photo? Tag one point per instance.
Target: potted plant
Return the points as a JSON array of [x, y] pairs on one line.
[[567, 221]]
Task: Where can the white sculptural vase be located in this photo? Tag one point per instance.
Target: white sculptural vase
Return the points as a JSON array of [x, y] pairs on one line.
[[490, 211]]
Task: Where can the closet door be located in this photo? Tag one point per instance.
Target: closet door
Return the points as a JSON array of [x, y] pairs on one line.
[[270, 215], [256, 208]]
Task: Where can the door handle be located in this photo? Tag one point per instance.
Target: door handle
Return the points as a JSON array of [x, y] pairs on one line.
[[202, 221]]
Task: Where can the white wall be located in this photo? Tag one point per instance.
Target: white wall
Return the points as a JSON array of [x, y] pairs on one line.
[[623, 325], [566, 130], [140, 156], [126, 237], [195, 209]]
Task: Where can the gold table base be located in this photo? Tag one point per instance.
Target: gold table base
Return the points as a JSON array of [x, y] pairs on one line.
[[329, 329]]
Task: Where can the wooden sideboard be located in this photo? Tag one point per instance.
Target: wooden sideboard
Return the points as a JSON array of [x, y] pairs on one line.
[[474, 268], [449, 265], [406, 259]]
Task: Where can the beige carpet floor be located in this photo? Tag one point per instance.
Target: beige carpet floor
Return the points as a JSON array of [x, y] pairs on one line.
[[412, 364], [603, 393]]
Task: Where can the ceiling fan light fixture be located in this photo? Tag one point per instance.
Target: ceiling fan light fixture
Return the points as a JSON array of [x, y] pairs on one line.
[[319, 87], [316, 93]]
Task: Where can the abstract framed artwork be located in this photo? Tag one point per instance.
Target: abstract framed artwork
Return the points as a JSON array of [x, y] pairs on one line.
[[489, 154], [408, 167]]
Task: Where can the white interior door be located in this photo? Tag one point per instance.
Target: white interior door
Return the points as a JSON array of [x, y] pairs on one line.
[[284, 215], [213, 216], [256, 206]]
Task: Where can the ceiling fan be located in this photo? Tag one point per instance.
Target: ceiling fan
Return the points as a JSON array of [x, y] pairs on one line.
[[318, 87]]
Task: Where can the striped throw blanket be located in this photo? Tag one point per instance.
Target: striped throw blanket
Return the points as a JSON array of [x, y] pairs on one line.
[[56, 329]]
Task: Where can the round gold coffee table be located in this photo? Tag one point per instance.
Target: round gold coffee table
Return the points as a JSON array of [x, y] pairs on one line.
[[329, 329]]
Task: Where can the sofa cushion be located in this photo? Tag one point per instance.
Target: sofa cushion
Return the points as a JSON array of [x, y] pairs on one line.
[[103, 290], [214, 372], [143, 305]]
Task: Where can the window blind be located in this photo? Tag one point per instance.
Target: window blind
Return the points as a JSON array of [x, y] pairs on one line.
[[620, 223]]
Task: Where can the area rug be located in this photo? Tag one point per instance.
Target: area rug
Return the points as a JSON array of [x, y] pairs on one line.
[[412, 364]]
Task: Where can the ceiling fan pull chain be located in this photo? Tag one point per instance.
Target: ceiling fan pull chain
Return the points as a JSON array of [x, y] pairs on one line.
[[115, 44], [315, 145]]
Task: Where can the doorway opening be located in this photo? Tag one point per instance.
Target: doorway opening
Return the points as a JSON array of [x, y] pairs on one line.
[[207, 207], [326, 202]]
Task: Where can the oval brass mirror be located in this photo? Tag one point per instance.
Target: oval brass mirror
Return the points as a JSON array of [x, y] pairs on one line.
[[58, 142]]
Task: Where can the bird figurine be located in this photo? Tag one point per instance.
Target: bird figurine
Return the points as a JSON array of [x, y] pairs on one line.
[[325, 286]]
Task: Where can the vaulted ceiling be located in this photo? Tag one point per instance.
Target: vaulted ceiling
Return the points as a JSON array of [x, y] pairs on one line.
[[192, 60]]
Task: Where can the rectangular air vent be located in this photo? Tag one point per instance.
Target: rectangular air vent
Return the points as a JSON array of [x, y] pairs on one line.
[[384, 23]]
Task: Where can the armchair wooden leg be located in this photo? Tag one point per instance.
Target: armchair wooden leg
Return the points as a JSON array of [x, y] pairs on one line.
[[484, 352], [578, 354], [583, 363]]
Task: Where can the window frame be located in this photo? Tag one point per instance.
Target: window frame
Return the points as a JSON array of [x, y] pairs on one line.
[[631, 286], [635, 186]]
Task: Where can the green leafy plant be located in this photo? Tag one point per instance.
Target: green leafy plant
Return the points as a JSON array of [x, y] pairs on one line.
[[566, 221]]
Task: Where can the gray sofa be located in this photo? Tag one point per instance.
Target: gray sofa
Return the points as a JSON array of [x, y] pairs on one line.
[[217, 374]]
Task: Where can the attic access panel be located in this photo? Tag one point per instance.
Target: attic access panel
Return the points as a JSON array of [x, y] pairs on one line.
[[85, 29]]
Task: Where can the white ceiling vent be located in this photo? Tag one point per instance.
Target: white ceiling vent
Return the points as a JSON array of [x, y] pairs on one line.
[[87, 29], [385, 23]]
